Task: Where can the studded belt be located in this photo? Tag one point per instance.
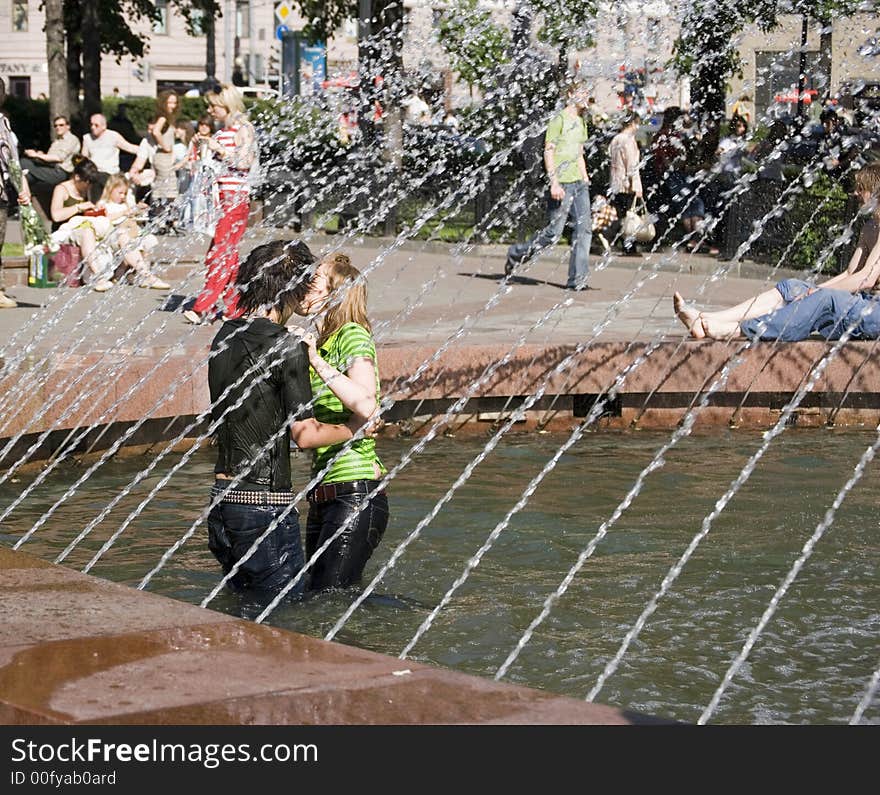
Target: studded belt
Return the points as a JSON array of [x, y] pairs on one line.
[[241, 497]]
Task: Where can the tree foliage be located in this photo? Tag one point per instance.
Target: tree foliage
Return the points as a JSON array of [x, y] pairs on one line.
[[565, 26], [474, 44], [324, 17]]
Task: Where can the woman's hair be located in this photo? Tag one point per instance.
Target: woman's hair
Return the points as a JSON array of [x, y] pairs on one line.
[[868, 179], [85, 170], [228, 96], [737, 119], [350, 306], [628, 118], [113, 182], [670, 116], [187, 130], [274, 274], [162, 106]]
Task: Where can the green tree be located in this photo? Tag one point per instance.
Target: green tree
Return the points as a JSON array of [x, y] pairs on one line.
[[102, 27], [474, 44], [565, 26]]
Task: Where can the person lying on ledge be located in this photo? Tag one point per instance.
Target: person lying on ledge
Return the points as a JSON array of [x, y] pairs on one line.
[[829, 313], [861, 276]]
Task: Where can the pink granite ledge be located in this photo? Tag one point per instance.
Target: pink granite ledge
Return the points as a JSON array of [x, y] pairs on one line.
[[77, 649]]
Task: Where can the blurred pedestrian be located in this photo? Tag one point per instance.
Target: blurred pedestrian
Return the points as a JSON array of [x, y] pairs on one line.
[[569, 191], [10, 180], [625, 183], [234, 149]]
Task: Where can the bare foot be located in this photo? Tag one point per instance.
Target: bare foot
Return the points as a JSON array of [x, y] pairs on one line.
[[689, 316], [720, 329]]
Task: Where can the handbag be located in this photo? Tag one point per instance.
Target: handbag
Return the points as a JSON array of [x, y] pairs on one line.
[[67, 262], [637, 223]]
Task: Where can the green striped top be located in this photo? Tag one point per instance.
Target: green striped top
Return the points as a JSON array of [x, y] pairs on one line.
[[348, 343]]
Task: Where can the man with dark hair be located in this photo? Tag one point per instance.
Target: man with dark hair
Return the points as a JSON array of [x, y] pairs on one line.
[[56, 164], [259, 381]]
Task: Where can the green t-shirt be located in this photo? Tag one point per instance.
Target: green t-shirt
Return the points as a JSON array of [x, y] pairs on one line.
[[568, 134], [346, 344]]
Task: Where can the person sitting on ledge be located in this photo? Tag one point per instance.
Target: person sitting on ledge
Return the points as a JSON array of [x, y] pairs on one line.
[[861, 276]]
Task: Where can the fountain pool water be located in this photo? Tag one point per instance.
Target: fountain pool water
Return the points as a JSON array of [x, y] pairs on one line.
[[811, 665]]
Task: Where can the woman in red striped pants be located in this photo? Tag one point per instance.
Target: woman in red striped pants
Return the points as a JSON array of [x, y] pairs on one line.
[[234, 147]]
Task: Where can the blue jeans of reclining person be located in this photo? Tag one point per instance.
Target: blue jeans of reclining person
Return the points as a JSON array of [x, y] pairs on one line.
[[342, 563], [576, 203], [232, 530], [829, 313]]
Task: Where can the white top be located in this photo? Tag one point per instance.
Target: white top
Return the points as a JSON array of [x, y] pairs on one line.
[[417, 110], [104, 150]]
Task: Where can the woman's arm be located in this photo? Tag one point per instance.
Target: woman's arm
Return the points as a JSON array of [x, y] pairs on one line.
[[310, 433], [158, 129], [59, 212], [356, 388]]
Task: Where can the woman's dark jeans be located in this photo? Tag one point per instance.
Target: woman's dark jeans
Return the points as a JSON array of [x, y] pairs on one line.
[[232, 530], [342, 563]]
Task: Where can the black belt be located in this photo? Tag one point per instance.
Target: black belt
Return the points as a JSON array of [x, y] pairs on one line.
[[330, 491]]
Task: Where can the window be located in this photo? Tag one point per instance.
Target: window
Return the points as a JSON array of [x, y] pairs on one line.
[[197, 22], [242, 19], [19, 16], [20, 87], [160, 24], [655, 31]]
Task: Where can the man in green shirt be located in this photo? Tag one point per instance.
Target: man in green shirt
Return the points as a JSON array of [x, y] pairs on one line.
[[569, 188]]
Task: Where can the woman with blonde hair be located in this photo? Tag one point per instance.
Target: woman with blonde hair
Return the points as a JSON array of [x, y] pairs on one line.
[[861, 276], [345, 386], [125, 236], [234, 150]]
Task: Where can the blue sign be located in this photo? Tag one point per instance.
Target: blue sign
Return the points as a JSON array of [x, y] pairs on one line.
[[303, 65], [280, 31]]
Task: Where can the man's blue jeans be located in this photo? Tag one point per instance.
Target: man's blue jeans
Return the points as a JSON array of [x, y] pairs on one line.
[[232, 529], [828, 312], [576, 203]]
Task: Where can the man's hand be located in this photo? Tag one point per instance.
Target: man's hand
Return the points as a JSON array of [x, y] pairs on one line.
[[308, 338], [369, 428], [557, 191], [32, 153]]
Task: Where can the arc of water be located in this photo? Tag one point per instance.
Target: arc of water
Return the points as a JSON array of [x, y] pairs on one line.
[[685, 429], [254, 375], [268, 610], [37, 327], [474, 561], [866, 700], [789, 578], [656, 463], [71, 409], [143, 504], [736, 484]]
